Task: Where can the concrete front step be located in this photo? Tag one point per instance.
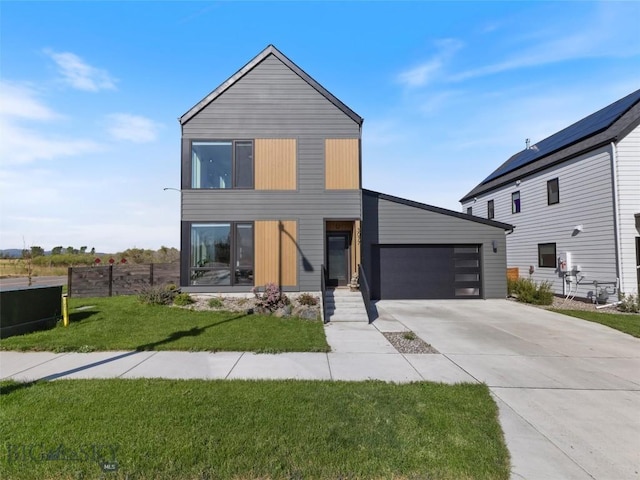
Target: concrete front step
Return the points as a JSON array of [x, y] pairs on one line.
[[345, 306]]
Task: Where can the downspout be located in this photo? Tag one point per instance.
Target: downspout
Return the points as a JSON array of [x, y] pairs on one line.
[[616, 213]]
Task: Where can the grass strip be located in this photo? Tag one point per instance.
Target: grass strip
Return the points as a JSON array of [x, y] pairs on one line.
[[123, 323], [194, 429], [624, 322]]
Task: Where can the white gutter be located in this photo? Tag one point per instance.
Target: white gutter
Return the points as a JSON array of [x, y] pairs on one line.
[[616, 213]]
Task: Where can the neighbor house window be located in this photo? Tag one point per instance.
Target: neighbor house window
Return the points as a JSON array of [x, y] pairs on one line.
[[469, 210], [490, 209], [553, 192], [222, 164], [547, 255], [515, 202], [221, 254]]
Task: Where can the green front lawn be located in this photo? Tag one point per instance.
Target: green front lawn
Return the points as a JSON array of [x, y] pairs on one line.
[[177, 429], [624, 322], [123, 323]]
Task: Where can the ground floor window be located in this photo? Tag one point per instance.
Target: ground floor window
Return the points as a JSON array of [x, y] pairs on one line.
[[547, 255], [221, 254]]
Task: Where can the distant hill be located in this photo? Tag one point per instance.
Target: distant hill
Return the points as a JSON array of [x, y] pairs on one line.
[[11, 253]]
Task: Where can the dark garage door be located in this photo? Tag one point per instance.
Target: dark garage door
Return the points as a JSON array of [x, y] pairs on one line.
[[425, 272]]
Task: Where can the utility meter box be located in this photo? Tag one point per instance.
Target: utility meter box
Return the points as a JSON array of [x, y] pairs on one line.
[[564, 262]]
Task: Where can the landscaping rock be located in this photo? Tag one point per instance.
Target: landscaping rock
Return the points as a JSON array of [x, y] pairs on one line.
[[306, 312]]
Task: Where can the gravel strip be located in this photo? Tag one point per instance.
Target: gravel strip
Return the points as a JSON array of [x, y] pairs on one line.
[[408, 342]]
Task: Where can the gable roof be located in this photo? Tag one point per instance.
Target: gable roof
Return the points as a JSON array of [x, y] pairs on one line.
[[438, 210], [608, 124], [270, 50]]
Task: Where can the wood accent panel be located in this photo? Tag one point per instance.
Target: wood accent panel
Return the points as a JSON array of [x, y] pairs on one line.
[[275, 164], [276, 256], [355, 246], [342, 164], [339, 226], [513, 273]]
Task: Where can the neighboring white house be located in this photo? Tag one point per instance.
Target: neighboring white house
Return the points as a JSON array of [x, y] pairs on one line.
[[574, 199]]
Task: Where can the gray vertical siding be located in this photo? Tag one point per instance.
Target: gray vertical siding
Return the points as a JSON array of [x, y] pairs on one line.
[[388, 222], [272, 101]]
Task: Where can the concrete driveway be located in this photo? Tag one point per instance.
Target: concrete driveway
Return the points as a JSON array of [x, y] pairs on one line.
[[568, 390]]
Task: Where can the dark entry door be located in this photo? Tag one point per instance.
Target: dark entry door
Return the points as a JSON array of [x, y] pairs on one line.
[[337, 259]]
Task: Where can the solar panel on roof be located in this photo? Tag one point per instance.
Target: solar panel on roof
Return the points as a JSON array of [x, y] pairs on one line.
[[594, 123]]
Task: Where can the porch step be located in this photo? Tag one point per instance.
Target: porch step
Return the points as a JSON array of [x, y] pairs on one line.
[[342, 305]]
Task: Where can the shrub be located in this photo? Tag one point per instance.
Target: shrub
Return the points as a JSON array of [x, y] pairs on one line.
[[629, 303], [307, 299], [409, 336], [271, 299], [160, 295], [215, 302], [183, 299], [528, 291]]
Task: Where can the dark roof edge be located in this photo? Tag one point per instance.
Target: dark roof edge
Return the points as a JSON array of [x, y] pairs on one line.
[[615, 132], [514, 175], [440, 210], [269, 50]]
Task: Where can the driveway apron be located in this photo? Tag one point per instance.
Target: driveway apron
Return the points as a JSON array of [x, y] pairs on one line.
[[568, 390]]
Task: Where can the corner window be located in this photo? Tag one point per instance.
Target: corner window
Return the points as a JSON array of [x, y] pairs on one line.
[[221, 254], [553, 192], [469, 211], [490, 210], [515, 202], [222, 164], [547, 255]]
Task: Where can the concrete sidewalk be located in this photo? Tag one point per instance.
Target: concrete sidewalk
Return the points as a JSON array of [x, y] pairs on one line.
[[568, 390], [359, 352]]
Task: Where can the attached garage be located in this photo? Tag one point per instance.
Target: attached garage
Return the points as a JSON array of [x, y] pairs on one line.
[[415, 251], [426, 271]]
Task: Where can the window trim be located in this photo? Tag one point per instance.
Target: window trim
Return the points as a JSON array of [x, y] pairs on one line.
[[557, 183], [555, 255], [233, 244], [514, 208], [491, 210], [234, 176]]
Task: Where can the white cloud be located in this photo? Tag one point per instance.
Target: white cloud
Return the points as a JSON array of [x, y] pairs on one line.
[[429, 70], [24, 145], [20, 101], [610, 32], [79, 74], [134, 128]]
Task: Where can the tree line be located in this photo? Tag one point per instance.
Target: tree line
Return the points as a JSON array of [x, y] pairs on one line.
[[71, 256]]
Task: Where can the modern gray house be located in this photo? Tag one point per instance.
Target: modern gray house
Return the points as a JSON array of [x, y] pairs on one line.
[[574, 199], [272, 193]]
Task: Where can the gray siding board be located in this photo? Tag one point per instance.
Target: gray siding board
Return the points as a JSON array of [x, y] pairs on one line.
[[585, 198], [272, 101], [387, 222]]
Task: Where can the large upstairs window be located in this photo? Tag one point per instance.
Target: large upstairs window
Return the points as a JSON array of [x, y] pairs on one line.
[[222, 164]]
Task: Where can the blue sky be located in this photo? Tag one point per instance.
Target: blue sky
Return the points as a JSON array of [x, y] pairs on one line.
[[90, 93]]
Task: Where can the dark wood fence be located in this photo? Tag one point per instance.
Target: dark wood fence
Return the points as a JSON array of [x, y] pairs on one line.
[[120, 279]]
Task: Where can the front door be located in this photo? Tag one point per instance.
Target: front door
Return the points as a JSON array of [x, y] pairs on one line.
[[337, 259]]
